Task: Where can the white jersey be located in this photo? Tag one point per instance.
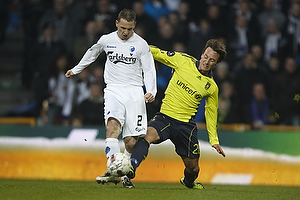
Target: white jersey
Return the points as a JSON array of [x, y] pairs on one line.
[[129, 62]]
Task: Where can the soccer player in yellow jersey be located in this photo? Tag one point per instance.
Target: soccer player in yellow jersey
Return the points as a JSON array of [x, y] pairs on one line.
[[190, 83]]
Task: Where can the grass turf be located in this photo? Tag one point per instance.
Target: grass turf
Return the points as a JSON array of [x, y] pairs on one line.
[[89, 190]]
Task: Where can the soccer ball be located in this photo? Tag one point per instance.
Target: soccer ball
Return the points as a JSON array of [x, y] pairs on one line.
[[118, 164]]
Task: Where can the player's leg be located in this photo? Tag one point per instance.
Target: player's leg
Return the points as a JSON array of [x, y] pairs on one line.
[[129, 143], [191, 172], [187, 147], [135, 124], [114, 117], [114, 113], [140, 151], [141, 148], [113, 129]]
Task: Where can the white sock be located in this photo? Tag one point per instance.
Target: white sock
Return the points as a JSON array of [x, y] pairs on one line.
[[111, 146], [127, 153]]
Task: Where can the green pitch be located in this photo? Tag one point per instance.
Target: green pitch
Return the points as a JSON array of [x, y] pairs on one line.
[[88, 190]]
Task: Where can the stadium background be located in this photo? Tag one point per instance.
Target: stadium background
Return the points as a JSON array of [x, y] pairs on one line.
[[65, 153]]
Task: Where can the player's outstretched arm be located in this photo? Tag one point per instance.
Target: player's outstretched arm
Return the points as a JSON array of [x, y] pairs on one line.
[[219, 149], [70, 74]]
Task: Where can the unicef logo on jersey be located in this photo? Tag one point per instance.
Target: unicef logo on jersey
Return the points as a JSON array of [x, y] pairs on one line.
[[187, 89], [131, 48]]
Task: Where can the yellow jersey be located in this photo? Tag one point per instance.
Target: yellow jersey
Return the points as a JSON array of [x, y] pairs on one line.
[[186, 88]]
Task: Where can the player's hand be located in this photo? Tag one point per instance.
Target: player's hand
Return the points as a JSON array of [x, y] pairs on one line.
[[70, 74], [219, 149], [149, 98]]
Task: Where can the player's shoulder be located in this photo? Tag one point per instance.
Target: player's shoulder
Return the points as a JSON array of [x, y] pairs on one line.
[[139, 39], [180, 55], [185, 59], [108, 36], [188, 57]]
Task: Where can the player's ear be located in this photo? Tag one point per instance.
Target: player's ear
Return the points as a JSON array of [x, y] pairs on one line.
[[117, 23]]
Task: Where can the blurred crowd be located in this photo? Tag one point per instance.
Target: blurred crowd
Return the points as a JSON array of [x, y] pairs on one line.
[[259, 82]]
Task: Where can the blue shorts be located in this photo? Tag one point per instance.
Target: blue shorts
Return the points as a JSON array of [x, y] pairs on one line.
[[182, 134]]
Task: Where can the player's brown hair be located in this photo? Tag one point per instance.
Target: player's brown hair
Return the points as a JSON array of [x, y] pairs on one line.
[[218, 47], [127, 14]]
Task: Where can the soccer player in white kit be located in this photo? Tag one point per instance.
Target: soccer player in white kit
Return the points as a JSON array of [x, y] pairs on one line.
[[129, 66]]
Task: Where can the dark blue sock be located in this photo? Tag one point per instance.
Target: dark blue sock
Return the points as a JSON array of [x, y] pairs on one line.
[[189, 178], [139, 152]]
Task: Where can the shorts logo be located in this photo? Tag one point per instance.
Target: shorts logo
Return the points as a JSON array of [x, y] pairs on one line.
[[138, 129], [108, 46]]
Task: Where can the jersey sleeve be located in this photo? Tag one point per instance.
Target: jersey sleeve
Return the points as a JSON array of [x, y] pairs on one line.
[[89, 57], [170, 58], [149, 71], [211, 115]]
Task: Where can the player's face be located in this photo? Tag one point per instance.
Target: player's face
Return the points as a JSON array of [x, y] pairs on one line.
[[208, 60], [125, 28]]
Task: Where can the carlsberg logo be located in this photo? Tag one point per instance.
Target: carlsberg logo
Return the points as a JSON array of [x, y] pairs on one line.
[[120, 58]]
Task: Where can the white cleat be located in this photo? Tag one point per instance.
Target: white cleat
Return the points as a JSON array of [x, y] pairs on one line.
[[108, 178]]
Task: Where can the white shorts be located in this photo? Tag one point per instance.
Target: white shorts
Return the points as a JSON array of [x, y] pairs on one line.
[[127, 105]]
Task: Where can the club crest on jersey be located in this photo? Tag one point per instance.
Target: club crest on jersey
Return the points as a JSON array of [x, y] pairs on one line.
[[207, 85], [131, 48], [170, 53]]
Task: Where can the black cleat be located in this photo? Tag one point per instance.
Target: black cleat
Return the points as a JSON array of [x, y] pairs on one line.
[[127, 182], [131, 173], [196, 184]]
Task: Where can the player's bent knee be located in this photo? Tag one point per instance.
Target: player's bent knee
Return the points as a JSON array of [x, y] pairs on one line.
[[152, 135], [195, 170]]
